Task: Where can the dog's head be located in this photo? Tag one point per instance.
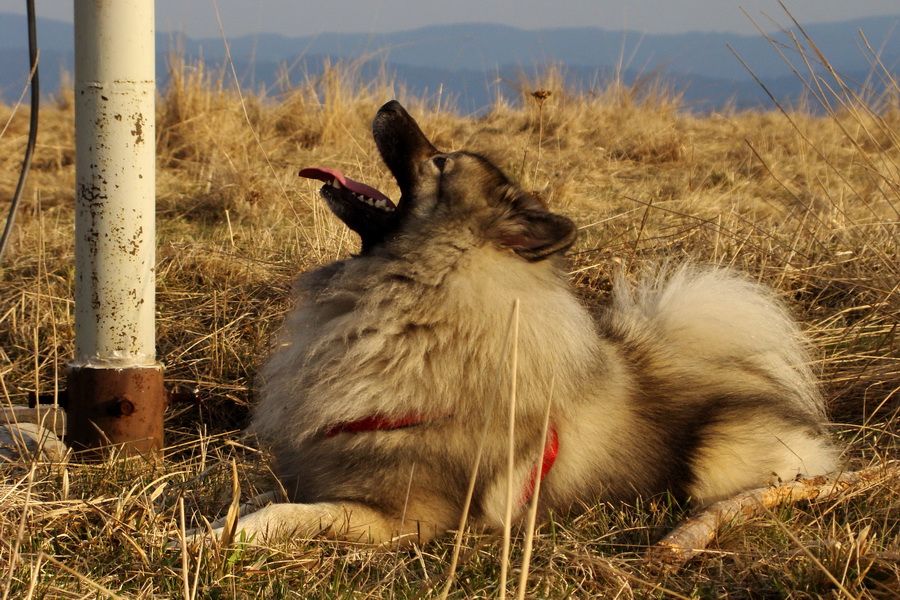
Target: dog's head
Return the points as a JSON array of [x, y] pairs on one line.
[[445, 186]]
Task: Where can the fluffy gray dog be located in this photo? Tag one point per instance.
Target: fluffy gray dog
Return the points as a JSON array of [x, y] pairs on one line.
[[391, 376]]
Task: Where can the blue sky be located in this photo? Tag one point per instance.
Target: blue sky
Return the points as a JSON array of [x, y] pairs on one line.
[[197, 18]]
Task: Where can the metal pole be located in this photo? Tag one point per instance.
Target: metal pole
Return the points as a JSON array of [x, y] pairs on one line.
[[115, 384]]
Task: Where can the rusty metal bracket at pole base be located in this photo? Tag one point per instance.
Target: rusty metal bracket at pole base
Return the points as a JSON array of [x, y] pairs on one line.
[[116, 407]]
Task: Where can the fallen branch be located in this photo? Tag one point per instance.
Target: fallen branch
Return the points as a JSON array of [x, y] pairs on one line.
[[692, 536]]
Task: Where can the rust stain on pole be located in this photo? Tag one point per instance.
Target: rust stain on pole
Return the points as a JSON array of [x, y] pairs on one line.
[[116, 407]]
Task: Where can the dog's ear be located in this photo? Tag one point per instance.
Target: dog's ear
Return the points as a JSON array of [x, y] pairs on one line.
[[535, 234]]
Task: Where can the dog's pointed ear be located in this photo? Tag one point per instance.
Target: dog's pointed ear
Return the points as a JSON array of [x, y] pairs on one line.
[[535, 234]]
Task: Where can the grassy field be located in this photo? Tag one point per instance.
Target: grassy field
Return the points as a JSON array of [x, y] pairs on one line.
[[807, 204]]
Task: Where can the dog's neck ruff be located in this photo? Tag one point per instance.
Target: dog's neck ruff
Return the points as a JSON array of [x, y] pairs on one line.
[[382, 423]]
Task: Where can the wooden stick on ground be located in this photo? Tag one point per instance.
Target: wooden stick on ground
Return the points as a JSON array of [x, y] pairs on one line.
[[692, 536]]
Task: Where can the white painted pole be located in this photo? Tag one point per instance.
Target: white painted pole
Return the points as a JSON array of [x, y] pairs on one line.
[[115, 232]]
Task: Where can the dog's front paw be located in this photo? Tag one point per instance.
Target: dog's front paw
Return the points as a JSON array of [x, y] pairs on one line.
[[217, 533], [195, 537]]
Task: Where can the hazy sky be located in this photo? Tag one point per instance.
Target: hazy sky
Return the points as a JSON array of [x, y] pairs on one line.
[[197, 18]]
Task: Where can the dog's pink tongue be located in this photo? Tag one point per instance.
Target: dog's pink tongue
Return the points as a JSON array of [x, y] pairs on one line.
[[332, 175]]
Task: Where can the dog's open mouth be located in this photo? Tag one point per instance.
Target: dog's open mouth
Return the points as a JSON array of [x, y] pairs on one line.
[[364, 209], [339, 185]]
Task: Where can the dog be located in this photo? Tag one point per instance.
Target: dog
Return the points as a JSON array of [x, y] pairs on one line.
[[399, 370]]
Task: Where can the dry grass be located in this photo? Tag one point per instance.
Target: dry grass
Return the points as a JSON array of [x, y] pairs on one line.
[[807, 204]]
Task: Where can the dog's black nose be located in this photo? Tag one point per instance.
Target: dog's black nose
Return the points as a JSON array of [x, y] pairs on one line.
[[440, 162], [392, 107]]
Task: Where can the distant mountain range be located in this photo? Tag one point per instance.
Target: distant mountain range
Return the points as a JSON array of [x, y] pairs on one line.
[[472, 63]]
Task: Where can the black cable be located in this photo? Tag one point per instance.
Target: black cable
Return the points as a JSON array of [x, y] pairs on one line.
[[32, 128]]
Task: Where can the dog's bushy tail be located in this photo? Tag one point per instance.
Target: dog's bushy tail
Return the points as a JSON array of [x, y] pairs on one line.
[[694, 317]]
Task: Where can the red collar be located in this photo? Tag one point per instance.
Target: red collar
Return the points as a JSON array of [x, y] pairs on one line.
[[374, 423], [382, 423], [551, 451]]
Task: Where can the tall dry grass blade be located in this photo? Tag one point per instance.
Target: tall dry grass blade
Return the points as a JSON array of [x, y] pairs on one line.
[[876, 64], [412, 472], [540, 96], [814, 85], [253, 131], [196, 585], [533, 504], [848, 100], [39, 281], [229, 528], [464, 517], [638, 236], [400, 535], [182, 531], [473, 478], [511, 452], [21, 97], [33, 581], [20, 533]]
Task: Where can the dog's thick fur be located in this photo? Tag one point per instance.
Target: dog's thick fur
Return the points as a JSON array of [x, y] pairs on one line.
[[694, 382]]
